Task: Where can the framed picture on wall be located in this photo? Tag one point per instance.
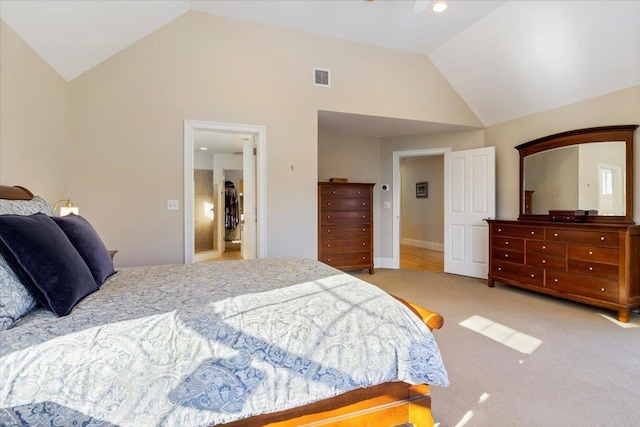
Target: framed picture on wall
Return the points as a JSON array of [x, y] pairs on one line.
[[422, 190]]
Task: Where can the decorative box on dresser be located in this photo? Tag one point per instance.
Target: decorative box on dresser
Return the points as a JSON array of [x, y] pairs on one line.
[[345, 225], [597, 264], [579, 254]]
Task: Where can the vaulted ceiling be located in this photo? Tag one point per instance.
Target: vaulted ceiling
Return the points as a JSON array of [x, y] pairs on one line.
[[506, 59]]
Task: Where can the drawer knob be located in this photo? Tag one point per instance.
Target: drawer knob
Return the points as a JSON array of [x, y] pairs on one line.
[[533, 275], [334, 191], [533, 233], [364, 229], [364, 257], [506, 255], [602, 289], [544, 261], [590, 268], [328, 203], [544, 248], [555, 280], [364, 244], [363, 216], [602, 238], [506, 243], [364, 204], [329, 259], [499, 230], [328, 231], [329, 245], [359, 192], [328, 216], [555, 234], [499, 268]]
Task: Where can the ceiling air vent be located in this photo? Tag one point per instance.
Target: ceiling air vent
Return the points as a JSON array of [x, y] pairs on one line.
[[321, 77]]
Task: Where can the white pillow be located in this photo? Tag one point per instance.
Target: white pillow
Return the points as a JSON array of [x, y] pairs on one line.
[[26, 207]]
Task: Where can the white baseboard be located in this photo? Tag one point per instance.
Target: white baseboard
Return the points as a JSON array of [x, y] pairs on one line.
[[422, 244]]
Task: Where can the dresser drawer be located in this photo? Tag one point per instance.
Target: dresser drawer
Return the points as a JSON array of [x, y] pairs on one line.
[[345, 217], [587, 286], [331, 246], [604, 238], [544, 261], [345, 204], [345, 232], [506, 255], [518, 231], [354, 259], [597, 269], [510, 243], [547, 248], [595, 253], [351, 191], [517, 272]]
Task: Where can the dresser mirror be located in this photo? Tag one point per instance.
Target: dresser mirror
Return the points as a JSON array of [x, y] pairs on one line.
[[587, 169]]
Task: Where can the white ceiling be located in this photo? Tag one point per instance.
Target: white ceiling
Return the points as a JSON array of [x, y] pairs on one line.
[[506, 59]]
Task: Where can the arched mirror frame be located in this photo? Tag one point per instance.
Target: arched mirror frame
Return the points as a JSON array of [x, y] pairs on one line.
[[582, 136]]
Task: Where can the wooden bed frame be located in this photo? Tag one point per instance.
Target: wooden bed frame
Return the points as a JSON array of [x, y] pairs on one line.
[[388, 404]]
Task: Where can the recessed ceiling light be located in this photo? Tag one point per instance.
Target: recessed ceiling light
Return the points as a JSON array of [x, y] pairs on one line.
[[203, 148], [440, 6]]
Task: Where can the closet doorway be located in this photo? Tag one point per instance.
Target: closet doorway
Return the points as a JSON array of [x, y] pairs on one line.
[[224, 190]]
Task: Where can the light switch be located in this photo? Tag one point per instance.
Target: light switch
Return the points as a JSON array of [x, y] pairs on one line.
[[172, 205]]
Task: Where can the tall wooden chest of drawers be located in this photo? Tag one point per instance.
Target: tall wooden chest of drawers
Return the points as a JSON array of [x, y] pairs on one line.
[[345, 225], [597, 264]]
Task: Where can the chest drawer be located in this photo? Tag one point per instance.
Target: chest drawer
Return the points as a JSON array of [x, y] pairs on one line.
[[587, 286], [344, 191], [594, 253], [546, 248], [604, 238], [518, 231], [354, 259], [518, 272], [596, 269], [345, 217], [506, 255], [510, 243], [342, 245], [345, 204], [544, 261], [336, 232]]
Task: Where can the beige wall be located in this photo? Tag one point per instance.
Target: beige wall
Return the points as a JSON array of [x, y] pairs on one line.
[[34, 120], [128, 112], [617, 108]]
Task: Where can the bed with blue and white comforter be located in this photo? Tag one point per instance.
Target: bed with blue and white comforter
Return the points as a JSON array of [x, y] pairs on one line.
[[209, 343]]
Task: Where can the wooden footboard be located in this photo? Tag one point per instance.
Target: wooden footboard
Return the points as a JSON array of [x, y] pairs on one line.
[[388, 404]]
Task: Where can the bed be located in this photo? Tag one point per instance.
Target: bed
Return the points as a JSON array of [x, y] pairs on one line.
[[278, 342]]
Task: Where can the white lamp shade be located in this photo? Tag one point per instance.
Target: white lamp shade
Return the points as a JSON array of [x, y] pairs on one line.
[[66, 211]]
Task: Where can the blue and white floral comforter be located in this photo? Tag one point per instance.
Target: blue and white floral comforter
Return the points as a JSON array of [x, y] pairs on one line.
[[204, 344]]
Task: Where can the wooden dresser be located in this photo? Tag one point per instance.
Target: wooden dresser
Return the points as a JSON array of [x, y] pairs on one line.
[[345, 225], [597, 264]]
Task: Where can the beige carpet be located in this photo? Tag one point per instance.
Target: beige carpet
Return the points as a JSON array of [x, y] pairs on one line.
[[585, 372]]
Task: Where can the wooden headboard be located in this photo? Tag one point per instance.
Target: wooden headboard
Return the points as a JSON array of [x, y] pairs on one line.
[[15, 193]]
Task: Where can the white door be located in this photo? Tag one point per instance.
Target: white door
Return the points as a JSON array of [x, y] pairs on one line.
[[469, 198], [249, 220]]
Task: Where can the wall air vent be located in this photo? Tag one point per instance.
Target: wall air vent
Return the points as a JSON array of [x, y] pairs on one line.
[[321, 77]]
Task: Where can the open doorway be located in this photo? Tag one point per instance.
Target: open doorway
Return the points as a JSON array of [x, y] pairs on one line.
[[421, 213], [231, 148], [408, 185]]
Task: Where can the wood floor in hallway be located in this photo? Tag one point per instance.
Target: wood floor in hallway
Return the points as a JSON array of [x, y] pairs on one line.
[[414, 258]]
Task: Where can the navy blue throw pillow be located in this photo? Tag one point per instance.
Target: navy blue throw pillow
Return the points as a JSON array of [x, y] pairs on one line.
[[88, 244], [45, 261]]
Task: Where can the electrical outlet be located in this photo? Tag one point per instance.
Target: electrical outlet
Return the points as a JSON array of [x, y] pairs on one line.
[[172, 205]]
